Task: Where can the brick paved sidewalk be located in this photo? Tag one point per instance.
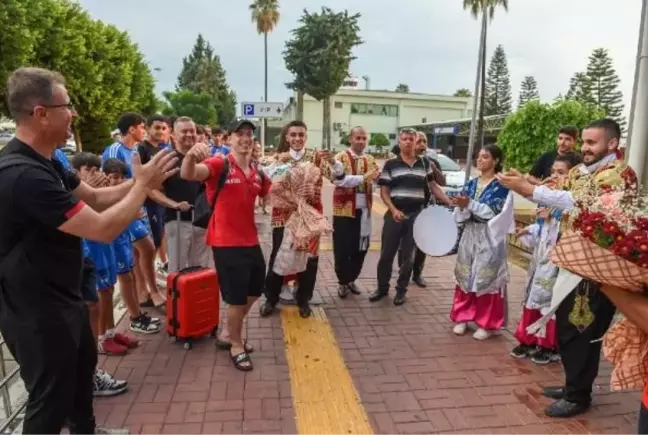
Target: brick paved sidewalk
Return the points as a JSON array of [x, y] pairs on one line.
[[412, 374]]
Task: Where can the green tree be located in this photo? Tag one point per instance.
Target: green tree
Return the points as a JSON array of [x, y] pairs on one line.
[[319, 54], [198, 106], [531, 130], [463, 92], [402, 87], [484, 9], [528, 91], [605, 85], [105, 72], [379, 141], [17, 39], [202, 72], [580, 89], [498, 85], [344, 138], [265, 14]]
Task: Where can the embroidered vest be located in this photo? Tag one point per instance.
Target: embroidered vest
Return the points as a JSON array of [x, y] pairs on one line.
[[344, 198]]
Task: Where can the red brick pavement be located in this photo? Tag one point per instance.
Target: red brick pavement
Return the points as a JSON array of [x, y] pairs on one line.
[[412, 373]]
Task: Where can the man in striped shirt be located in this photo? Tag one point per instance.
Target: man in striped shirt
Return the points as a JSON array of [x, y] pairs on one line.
[[406, 184]]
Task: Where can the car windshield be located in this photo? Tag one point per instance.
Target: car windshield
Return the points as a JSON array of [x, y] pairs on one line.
[[447, 164]]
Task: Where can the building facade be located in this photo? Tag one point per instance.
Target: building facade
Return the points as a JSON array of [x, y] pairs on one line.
[[378, 111]]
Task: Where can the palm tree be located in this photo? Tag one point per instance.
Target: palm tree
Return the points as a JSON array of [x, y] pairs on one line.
[[486, 10], [265, 14]]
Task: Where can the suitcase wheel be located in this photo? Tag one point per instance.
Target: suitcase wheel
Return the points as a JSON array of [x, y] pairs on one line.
[[187, 345], [172, 338], [214, 332]]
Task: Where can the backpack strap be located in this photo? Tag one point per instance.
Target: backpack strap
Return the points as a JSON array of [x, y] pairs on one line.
[[222, 179]]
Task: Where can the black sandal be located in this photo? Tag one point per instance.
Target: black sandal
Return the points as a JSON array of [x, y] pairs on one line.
[[148, 303], [239, 361], [226, 345]]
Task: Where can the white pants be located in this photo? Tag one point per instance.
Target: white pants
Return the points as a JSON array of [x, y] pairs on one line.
[[193, 251]]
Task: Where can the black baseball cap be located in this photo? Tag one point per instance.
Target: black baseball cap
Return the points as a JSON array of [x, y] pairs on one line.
[[236, 125]]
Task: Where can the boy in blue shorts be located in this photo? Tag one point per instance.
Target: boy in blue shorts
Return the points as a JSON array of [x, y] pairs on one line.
[[132, 128], [122, 250], [86, 167]]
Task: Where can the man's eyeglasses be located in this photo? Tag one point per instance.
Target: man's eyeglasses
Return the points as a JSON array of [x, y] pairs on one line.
[[69, 105], [300, 135]]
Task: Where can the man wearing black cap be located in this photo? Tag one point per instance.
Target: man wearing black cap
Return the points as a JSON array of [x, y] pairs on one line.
[[232, 233]]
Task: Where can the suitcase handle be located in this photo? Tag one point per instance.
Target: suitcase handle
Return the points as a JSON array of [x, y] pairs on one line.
[[179, 244]]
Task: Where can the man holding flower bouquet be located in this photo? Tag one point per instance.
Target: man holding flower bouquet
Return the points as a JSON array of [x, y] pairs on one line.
[[584, 316]]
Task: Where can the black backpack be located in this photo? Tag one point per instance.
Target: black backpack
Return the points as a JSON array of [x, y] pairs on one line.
[[204, 208]]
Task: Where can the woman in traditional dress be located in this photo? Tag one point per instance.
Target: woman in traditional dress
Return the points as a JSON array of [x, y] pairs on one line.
[[485, 208], [542, 346]]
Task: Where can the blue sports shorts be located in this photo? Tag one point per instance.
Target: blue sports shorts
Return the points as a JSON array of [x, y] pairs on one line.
[[103, 257], [123, 248], [155, 214], [139, 229]]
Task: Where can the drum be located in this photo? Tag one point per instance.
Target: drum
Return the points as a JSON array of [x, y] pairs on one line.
[[435, 231]]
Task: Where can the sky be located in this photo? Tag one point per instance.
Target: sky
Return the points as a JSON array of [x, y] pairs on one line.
[[430, 45]]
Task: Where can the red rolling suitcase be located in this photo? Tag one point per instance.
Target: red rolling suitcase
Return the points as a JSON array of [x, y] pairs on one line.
[[193, 302]]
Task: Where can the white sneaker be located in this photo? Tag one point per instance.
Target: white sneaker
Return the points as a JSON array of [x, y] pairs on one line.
[[460, 328], [481, 334], [108, 431]]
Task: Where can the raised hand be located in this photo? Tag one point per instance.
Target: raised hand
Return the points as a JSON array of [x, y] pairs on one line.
[[199, 152], [97, 179], [161, 166]]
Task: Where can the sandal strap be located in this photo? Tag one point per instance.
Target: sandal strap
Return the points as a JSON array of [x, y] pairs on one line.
[[241, 357]]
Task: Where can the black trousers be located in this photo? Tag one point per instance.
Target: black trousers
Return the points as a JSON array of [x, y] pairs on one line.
[[396, 235], [305, 279], [346, 243], [418, 262], [580, 357], [58, 370], [642, 424]]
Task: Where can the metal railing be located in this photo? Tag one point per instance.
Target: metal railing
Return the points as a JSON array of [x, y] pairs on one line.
[[12, 392]]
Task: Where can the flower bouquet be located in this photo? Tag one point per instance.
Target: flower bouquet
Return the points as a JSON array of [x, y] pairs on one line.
[[295, 189], [606, 241]]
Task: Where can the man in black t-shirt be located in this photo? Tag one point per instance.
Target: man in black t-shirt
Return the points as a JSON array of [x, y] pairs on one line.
[[186, 242], [157, 128], [46, 211], [565, 143]]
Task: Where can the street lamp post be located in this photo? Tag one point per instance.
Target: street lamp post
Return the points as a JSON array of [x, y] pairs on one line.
[[638, 130], [471, 138]]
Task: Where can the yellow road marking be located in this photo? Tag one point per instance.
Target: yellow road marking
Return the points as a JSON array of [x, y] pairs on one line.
[[324, 397]]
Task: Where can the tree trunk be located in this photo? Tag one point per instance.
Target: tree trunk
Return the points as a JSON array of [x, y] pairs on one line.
[[482, 103], [326, 124], [300, 105], [264, 128], [77, 139]]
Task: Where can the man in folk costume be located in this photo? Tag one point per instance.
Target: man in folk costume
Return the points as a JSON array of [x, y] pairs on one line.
[[585, 314], [295, 135], [353, 177]]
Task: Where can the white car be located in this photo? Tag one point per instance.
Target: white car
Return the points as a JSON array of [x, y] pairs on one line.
[[454, 175]]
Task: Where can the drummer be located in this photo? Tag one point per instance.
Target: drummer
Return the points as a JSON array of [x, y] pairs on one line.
[[406, 184]]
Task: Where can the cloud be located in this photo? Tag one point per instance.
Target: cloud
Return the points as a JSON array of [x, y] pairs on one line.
[[431, 45]]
